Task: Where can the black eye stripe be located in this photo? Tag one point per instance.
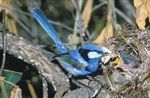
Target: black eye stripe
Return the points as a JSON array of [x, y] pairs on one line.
[[84, 53], [87, 50]]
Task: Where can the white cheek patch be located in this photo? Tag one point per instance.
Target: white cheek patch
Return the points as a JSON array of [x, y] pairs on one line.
[[92, 55]]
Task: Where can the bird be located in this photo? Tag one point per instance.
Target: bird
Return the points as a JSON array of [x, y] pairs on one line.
[[123, 60], [129, 61], [85, 60]]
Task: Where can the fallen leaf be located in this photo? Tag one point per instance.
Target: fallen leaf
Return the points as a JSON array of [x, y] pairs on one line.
[[105, 34], [9, 21], [107, 31], [16, 92], [4, 3], [142, 12], [149, 94], [86, 15], [11, 24], [147, 4]]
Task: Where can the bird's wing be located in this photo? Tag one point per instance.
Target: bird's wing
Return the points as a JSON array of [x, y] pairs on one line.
[[71, 69]]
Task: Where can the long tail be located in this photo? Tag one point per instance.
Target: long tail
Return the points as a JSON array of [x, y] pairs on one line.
[[43, 21]]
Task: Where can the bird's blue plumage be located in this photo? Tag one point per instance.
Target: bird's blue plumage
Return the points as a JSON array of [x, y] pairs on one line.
[[92, 47], [75, 55], [38, 15], [88, 65], [91, 64], [73, 70]]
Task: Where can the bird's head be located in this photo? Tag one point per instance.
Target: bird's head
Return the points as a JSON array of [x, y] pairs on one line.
[[91, 51]]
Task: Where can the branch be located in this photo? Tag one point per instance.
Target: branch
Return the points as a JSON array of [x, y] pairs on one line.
[[35, 56]]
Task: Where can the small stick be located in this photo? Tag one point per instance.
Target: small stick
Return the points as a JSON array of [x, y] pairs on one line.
[[4, 43]]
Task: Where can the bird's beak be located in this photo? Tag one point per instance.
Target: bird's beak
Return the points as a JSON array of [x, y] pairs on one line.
[[106, 58], [105, 50]]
